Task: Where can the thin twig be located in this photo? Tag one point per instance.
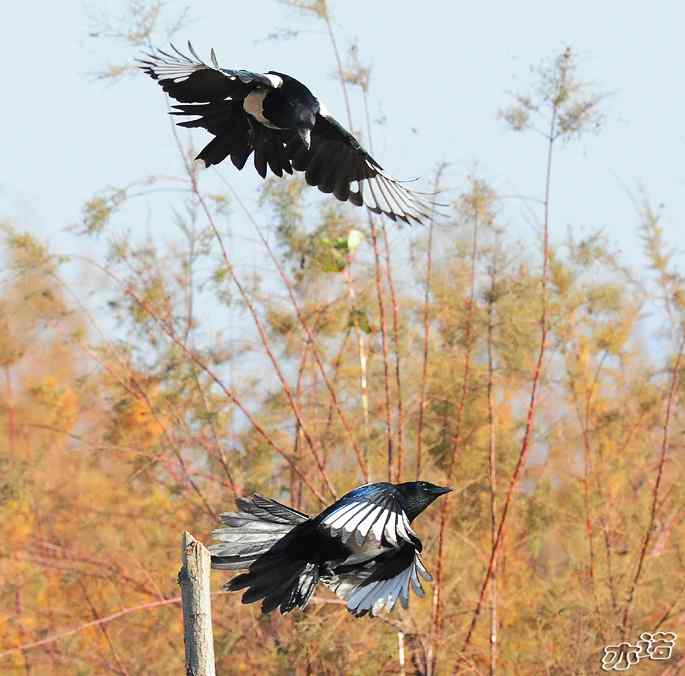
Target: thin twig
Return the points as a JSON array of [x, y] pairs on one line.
[[361, 348], [228, 392], [456, 445], [338, 62], [95, 623], [315, 351], [218, 447], [384, 344], [255, 317], [672, 396], [588, 473], [492, 463], [295, 486], [394, 304], [532, 405], [426, 324], [103, 629]]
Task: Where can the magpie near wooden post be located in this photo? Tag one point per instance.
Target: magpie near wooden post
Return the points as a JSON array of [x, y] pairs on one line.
[[197, 607]]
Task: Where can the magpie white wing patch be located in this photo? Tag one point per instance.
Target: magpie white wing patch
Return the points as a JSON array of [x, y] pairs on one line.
[[175, 69], [364, 519], [275, 80], [389, 197], [165, 66], [254, 105], [323, 110]]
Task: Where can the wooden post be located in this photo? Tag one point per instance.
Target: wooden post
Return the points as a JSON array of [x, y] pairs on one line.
[[197, 607], [400, 646]]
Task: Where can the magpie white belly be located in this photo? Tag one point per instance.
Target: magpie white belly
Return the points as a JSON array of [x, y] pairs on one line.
[[253, 104], [360, 554]]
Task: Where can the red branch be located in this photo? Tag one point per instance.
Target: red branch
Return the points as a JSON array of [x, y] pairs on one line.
[[87, 625], [532, 406], [672, 396], [437, 618]]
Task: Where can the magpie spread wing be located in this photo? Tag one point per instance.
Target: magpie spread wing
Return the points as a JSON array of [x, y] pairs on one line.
[[336, 160], [370, 514], [191, 80], [381, 582]]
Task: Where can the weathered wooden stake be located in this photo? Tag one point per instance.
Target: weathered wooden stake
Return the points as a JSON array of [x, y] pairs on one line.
[[400, 647], [197, 607]]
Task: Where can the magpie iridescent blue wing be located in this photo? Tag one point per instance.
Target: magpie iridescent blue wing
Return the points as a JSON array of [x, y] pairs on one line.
[[381, 582], [337, 163], [191, 80], [370, 514]]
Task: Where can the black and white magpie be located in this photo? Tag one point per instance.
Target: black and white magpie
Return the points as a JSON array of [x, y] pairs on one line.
[[362, 547], [285, 125]]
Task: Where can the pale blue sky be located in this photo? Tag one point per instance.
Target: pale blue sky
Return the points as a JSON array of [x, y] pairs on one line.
[[440, 67]]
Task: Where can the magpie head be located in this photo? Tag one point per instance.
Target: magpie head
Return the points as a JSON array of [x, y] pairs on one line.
[[420, 494], [292, 106]]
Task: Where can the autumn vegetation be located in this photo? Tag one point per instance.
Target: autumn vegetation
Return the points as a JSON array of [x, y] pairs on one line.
[[543, 380]]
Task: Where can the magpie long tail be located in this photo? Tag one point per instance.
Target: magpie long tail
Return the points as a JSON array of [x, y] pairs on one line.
[[256, 538], [226, 120], [236, 136], [258, 527]]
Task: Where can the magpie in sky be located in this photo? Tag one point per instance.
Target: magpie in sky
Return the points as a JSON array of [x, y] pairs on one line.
[[285, 125], [362, 547]]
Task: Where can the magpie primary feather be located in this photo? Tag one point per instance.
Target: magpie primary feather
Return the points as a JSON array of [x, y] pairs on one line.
[[362, 547], [285, 125]]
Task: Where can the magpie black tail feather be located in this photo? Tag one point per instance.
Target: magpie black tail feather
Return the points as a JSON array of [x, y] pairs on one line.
[[217, 117], [229, 124], [216, 150], [236, 142], [236, 136], [269, 151], [278, 582], [259, 538], [250, 533]]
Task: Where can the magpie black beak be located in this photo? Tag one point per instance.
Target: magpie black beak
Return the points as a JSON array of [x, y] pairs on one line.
[[441, 490], [306, 136]]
